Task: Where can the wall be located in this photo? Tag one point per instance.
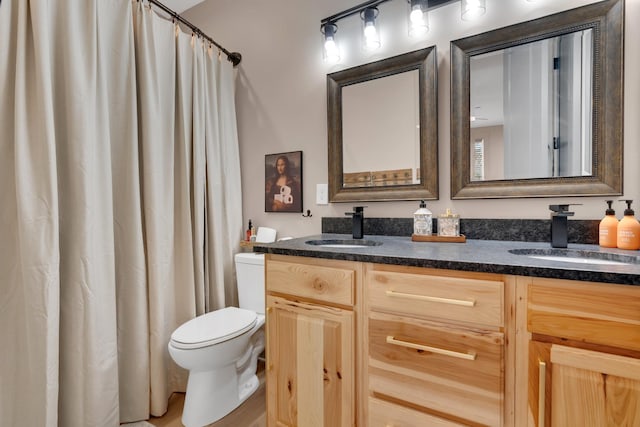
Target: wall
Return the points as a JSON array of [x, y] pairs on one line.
[[281, 96]]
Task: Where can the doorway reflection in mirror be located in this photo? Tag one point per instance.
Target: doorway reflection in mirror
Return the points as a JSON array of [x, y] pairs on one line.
[[549, 134]]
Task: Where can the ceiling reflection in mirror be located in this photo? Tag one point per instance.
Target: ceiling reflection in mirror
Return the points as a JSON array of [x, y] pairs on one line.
[[549, 135], [381, 131]]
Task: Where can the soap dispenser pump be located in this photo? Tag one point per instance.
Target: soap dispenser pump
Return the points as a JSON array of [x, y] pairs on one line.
[[608, 230], [422, 221], [628, 229]]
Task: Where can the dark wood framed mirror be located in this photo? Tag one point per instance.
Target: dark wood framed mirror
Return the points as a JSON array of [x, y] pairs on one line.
[[537, 107], [383, 129]]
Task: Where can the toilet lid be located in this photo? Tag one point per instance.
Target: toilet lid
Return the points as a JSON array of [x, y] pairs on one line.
[[213, 328]]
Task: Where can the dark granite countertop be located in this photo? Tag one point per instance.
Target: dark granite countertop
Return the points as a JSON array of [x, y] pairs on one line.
[[488, 256]]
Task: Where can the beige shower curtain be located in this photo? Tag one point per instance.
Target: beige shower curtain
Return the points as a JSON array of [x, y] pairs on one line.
[[120, 206]]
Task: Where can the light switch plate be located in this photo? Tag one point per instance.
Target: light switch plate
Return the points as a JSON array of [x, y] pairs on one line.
[[322, 194]]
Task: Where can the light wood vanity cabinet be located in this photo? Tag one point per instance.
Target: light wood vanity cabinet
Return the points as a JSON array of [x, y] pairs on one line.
[[361, 344], [311, 369], [436, 347], [584, 353]]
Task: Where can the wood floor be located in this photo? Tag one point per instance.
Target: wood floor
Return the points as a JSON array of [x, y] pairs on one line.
[[250, 414]]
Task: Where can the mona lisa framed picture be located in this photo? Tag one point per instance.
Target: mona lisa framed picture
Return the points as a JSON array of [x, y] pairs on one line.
[[283, 182]]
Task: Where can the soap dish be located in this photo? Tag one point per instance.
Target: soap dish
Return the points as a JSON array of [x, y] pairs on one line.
[[435, 238]]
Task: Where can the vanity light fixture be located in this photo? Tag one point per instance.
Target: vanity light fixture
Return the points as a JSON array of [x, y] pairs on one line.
[[472, 9], [418, 21], [370, 29], [418, 18], [331, 51]]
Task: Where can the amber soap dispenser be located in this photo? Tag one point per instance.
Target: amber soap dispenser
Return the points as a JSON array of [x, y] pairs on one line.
[[628, 229], [609, 228]]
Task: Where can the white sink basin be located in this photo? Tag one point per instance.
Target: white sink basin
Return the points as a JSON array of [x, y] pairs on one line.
[[577, 260], [578, 256]]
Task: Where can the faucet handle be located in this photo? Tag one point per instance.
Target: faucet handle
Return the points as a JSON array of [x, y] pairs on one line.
[[356, 210], [563, 209]]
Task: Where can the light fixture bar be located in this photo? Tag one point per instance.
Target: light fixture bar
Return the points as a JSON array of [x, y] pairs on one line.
[[432, 4], [352, 11], [368, 12]]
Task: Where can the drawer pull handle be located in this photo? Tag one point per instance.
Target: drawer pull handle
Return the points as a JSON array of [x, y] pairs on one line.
[[465, 303], [466, 356], [542, 374]]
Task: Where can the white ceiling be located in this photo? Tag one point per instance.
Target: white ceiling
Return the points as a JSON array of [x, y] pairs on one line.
[[180, 5]]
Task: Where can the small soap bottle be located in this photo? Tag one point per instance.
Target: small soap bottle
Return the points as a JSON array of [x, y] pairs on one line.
[[608, 229], [628, 229], [249, 231], [422, 221]]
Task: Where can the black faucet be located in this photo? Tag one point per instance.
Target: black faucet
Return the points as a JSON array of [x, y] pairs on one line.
[[358, 221], [559, 222]]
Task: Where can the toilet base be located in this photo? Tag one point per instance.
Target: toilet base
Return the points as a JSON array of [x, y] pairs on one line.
[[249, 388], [211, 395], [199, 409]]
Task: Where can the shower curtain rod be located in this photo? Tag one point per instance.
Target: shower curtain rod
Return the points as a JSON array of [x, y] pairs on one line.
[[234, 57]]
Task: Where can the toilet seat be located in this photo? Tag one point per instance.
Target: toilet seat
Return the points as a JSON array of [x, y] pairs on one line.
[[213, 328]]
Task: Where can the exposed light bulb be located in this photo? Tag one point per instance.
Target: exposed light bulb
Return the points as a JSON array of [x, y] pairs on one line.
[[472, 9], [372, 41], [331, 51], [416, 15], [418, 21], [370, 32]]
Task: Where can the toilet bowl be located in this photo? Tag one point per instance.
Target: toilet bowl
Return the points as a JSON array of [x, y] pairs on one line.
[[220, 349]]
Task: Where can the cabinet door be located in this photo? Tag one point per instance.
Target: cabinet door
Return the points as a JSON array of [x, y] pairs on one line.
[[589, 388], [310, 360]]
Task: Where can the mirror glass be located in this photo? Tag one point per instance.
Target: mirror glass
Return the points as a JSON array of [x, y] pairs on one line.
[[383, 129], [550, 134], [537, 107], [376, 112]]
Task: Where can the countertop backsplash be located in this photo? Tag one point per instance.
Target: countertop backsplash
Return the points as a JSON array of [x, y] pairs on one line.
[[517, 230]]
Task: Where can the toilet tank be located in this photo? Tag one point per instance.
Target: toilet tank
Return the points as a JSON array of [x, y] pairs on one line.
[[250, 275]]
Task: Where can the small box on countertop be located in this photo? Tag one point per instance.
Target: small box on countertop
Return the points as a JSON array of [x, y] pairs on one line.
[[449, 224]]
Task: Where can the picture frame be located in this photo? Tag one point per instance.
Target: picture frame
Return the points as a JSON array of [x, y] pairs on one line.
[[283, 182]]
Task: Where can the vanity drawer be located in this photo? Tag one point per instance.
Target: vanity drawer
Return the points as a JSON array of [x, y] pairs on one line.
[[598, 313], [444, 297], [447, 369], [385, 414], [332, 282]]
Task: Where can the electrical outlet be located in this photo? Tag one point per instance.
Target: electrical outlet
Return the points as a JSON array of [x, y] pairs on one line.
[[322, 194]]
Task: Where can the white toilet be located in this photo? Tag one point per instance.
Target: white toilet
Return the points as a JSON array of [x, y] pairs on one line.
[[221, 348]]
